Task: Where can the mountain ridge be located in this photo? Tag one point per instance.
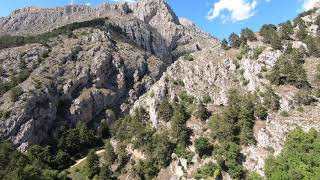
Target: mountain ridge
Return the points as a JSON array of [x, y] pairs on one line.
[[180, 103]]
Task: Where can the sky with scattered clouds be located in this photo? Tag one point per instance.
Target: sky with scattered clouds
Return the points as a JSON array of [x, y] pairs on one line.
[[218, 17]]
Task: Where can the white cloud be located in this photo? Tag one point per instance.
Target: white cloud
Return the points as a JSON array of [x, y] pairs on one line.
[[237, 10], [309, 4], [88, 4]]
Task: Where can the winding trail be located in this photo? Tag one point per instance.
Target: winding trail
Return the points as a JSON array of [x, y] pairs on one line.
[[80, 160]]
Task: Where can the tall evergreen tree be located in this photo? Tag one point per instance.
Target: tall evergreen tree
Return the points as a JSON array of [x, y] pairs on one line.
[[234, 40], [109, 155], [92, 164]]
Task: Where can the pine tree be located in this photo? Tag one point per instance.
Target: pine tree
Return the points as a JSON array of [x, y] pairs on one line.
[[247, 35], [224, 44], [234, 40], [92, 164], [286, 29], [105, 173], [109, 155], [165, 110], [246, 121]]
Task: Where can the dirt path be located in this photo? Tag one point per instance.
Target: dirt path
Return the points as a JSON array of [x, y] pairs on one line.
[[80, 160]]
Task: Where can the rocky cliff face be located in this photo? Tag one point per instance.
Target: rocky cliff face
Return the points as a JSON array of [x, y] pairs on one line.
[[77, 78]]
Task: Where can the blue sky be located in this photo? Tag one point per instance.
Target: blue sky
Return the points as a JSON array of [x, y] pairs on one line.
[[218, 17]]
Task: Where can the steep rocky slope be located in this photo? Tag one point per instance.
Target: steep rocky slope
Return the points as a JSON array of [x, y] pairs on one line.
[[101, 64], [77, 77]]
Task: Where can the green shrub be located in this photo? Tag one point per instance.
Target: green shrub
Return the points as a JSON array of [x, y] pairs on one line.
[[229, 158], [201, 112], [270, 99], [299, 158], [304, 98], [165, 110], [317, 22], [247, 35], [208, 171], [289, 70], [257, 51], [300, 109], [267, 31], [178, 83], [284, 114], [15, 93], [207, 99], [260, 111], [318, 73], [5, 114], [302, 32], [313, 45], [244, 49], [286, 29], [275, 41], [254, 176], [203, 147], [188, 57]]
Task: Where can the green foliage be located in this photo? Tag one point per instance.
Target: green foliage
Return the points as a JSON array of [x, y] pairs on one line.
[[244, 49], [236, 122], [257, 51], [318, 73], [267, 31], [15, 93], [165, 111], [73, 141], [35, 165], [5, 114], [145, 169], [105, 173], [104, 130], [275, 41], [109, 155], [224, 44], [222, 128], [180, 132], [270, 99], [207, 99], [302, 32], [178, 83], [260, 111], [208, 171], [228, 156], [188, 57], [304, 97], [92, 164], [289, 70], [234, 40], [201, 112], [254, 176], [8, 41], [299, 159], [286, 29], [313, 45], [246, 121], [247, 35], [203, 146], [284, 114]]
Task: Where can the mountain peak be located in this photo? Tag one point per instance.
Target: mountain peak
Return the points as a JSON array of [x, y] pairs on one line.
[[146, 10]]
